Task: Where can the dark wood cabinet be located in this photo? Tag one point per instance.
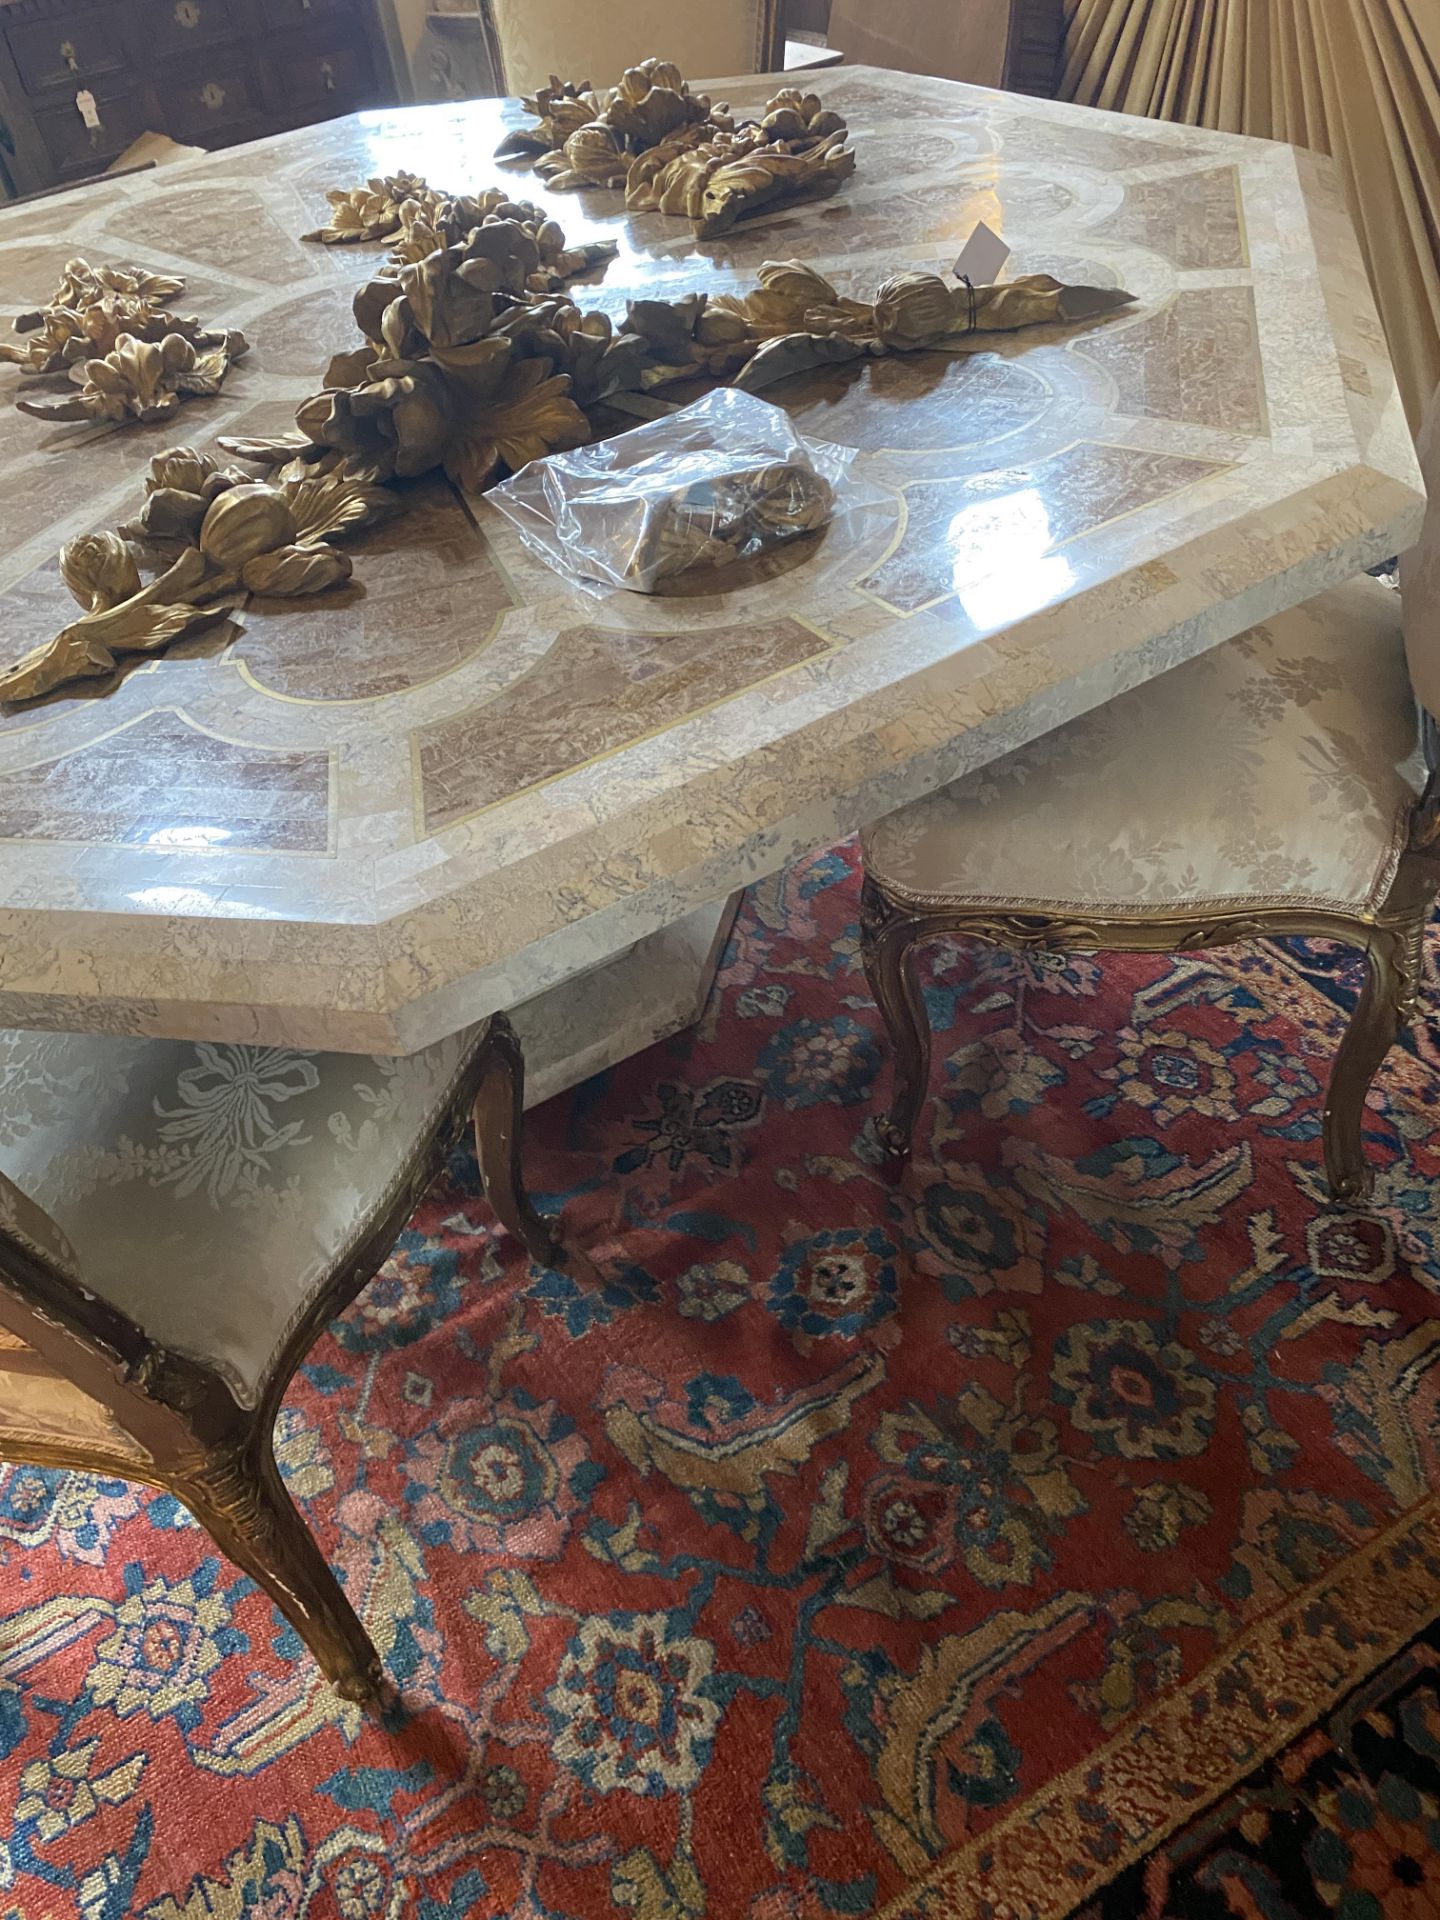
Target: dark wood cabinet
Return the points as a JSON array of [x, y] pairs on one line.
[[209, 73]]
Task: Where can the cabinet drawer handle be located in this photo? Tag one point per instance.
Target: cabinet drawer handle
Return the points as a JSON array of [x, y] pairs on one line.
[[327, 74], [187, 13], [67, 54]]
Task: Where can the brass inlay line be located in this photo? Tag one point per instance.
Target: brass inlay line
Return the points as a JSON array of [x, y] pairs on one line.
[[1247, 262], [955, 353], [1129, 323], [482, 646], [242, 667]]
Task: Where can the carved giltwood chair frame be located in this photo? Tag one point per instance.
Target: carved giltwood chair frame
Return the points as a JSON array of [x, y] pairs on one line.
[[1386, 923], [84, 1386]]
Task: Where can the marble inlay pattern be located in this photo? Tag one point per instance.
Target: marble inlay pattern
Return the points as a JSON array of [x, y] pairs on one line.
[[918, 401], [1196, 360], [285, 336], [231, 229], [429, 597], [1096, 144], [952, 527], [161, 782], [1193, 219], [367, 820], [597, 689]]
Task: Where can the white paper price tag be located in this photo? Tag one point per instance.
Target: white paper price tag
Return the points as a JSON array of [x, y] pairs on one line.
[[86, 107], [984, 254]]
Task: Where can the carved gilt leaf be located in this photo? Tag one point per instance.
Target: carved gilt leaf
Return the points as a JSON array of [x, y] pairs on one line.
[[333, 503], [534, 416], [89, 646]]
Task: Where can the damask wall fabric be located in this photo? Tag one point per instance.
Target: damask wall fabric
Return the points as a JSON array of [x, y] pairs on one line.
[[1281, 764], [815, 1544], [207, 1190]]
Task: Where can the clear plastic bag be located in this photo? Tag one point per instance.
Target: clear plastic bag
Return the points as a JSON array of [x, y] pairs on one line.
[[713, 483]]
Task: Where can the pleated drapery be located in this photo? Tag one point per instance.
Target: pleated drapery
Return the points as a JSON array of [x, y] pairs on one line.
[[1358, 79]]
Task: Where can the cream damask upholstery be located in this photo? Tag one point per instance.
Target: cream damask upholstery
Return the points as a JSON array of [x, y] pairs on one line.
[[1279, 767], [207, 1190], [597, 39]]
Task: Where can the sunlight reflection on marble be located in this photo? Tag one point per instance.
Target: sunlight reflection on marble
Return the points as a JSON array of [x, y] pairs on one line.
[[997, 535], [1004, 598], [176, 899], [196, 839], [1003, 568]]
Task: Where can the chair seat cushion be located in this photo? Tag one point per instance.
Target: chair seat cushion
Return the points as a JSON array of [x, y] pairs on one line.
[[208, 1190], [1277, 768]]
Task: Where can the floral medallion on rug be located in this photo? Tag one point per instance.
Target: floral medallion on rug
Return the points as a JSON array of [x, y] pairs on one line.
[[814, 1543]]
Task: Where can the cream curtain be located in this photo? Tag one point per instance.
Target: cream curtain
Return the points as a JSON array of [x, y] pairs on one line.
[[1359, 79]]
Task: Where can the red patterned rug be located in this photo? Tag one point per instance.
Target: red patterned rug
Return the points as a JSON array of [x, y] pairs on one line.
[[1343, 1825], [814, 1545]]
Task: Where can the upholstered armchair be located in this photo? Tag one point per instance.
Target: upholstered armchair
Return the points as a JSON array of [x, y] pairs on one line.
[[178, 1223], [598, 39], [1275, 785]]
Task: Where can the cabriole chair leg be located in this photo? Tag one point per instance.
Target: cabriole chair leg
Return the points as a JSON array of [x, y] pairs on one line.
[[1394, 961], [241, 1501], [888, 948], [499, 1115]]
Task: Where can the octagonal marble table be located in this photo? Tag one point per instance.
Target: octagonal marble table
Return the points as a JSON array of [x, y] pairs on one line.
[[372, 818]]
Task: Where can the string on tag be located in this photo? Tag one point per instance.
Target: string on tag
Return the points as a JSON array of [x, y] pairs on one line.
[[969, 286]]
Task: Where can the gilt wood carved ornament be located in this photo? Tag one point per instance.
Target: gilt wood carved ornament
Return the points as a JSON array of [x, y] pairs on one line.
[[212, 534], [464, 368], [673, 152], [419, 219], [470, 364], [129, 355]]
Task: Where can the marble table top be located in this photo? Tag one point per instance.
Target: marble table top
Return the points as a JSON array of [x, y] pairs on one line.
[[372, 817]]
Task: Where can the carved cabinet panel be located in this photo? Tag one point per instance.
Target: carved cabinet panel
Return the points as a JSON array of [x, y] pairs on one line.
[[81, 79], [212, 100], [71, 149], [312, 80], [67, 51], [182, 26]]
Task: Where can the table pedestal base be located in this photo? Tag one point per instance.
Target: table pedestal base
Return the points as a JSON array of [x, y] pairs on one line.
[[654, 989]]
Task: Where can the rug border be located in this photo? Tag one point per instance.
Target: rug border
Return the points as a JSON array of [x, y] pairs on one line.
[[1024, 1867]]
